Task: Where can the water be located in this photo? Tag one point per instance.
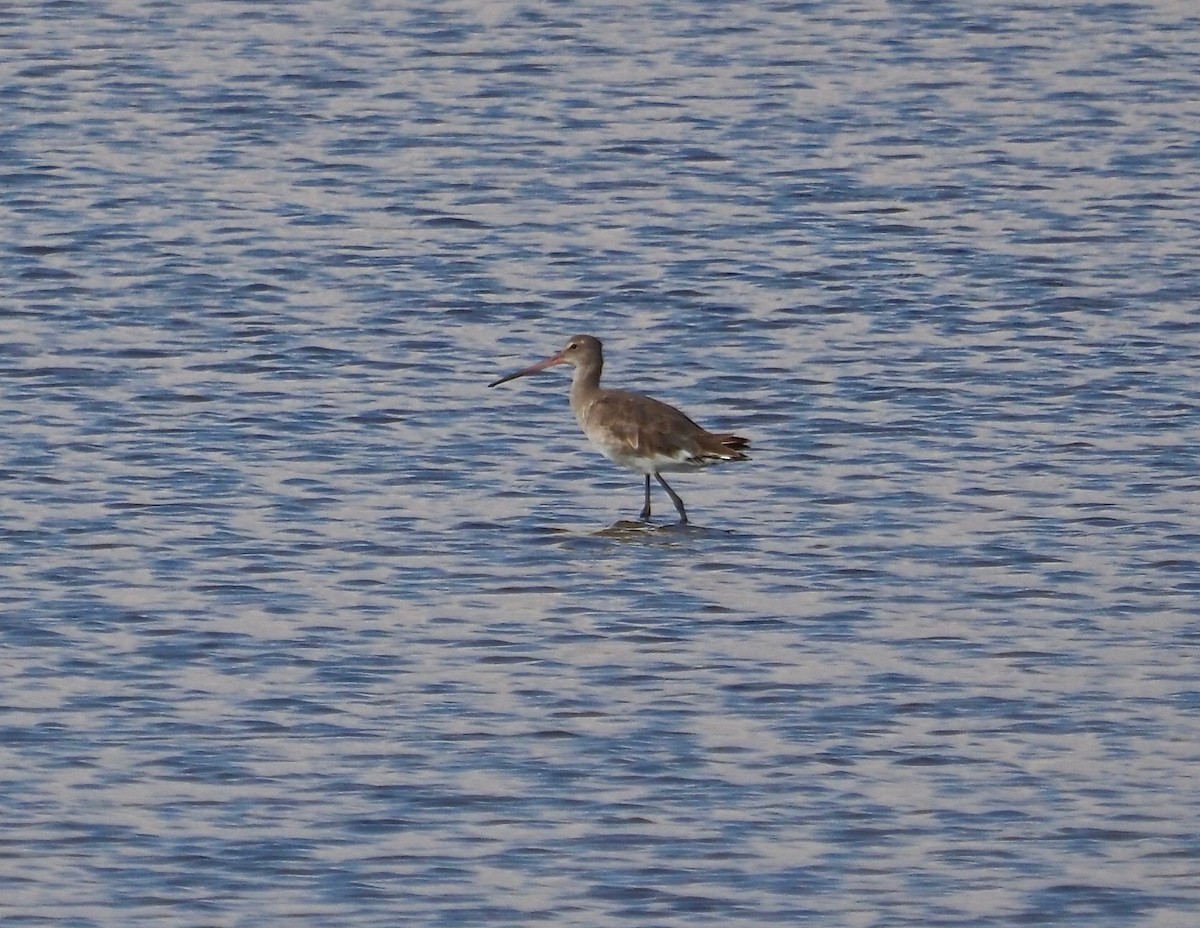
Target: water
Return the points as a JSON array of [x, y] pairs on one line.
[[303, 625]]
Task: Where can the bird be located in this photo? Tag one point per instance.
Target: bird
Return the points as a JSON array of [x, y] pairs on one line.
[[637, 432]]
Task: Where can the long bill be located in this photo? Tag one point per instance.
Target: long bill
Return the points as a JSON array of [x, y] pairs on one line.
[[540, 366]]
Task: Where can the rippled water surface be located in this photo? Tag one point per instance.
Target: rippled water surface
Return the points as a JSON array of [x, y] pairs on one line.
[[303, 625]]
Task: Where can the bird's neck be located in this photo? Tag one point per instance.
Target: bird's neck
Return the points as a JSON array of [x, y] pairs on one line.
[[585, 384]]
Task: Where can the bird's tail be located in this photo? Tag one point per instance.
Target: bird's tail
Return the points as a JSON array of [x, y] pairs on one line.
[[728, 447]]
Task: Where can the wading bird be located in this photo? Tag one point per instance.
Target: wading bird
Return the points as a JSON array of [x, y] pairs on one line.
[[638, 432]]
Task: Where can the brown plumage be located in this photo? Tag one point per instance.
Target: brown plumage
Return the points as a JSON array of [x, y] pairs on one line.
[[638, 432]]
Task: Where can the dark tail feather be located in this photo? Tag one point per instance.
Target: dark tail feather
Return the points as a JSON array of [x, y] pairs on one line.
[[732, 447]]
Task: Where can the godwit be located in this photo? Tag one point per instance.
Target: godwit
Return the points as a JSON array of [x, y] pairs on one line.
[[635, 431]]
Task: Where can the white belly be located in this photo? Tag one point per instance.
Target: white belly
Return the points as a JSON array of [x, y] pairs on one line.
[[620, 453]]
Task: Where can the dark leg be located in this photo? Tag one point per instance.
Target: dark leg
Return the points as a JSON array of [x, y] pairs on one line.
[[645, 515], [671, 493]]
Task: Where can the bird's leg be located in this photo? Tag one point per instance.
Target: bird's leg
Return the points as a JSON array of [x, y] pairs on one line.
[[645, 514], [671, 493]]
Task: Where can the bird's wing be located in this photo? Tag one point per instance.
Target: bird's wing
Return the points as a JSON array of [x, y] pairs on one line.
[[637, 421]]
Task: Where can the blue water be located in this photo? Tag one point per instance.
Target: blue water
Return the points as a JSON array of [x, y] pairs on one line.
[[301, 624]]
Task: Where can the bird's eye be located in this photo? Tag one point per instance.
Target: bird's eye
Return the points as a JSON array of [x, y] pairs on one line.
[[572, 346]]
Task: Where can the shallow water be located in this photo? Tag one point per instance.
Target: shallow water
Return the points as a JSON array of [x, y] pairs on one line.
[[303, 624]]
